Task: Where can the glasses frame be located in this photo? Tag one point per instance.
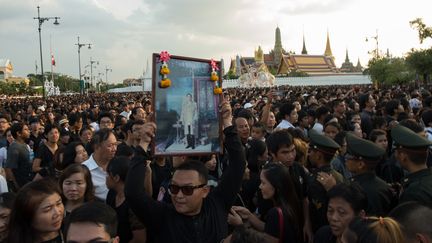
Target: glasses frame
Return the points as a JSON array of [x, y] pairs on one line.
[[183, 189]]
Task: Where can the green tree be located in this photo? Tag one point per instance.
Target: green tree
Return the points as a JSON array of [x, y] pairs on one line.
[[424, 31], [35, 79], [387, 70], [421, 62]]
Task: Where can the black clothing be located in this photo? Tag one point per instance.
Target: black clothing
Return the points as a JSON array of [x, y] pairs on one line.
[[210, 225], [272, 227], [366, 121], [58, 239], [317, 195], [159, 175], [47, 160], [299, 176], [324, 235], [417, 187], [35, 142], [381, 198], [127, 221]]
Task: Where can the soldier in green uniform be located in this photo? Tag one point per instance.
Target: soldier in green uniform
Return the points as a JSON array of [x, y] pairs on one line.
[[322, 149], [361, 159], [411, 151]]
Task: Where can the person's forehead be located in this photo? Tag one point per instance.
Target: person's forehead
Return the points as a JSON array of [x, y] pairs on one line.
[[184, 177], [240, 121], [286, 147], [86, 231], [338, 202]]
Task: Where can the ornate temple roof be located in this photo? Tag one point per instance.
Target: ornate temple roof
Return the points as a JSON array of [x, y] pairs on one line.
[[328, 51], [310, 64]]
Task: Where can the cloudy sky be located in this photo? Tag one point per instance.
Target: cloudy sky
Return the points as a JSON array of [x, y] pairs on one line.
[[125, 33]]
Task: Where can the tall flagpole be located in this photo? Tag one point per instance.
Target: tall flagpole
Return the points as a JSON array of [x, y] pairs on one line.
[[52, 72]]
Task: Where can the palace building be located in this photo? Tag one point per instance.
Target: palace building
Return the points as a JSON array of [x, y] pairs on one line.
[[281, 62]]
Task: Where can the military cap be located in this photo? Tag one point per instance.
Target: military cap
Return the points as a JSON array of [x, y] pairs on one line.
[[363, 148], [322, 143], [404, 137]]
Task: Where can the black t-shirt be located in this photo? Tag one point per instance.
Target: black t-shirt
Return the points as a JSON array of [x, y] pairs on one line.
[[34, 142], [47, 160], [159, 175], [58, 239], [127, 221], [324, 235], [272, 227]]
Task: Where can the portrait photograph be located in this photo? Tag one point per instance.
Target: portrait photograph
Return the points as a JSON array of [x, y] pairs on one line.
[[186, 112]]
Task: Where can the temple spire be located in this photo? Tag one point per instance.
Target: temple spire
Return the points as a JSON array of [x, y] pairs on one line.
[[346, 56], [328, 51], [277, 47], [304, 51]]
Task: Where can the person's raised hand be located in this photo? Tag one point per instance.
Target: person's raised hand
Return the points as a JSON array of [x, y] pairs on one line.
[[226, 113]]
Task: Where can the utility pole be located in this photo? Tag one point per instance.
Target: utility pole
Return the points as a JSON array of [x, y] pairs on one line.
[[91, 69], [41, 20], [79, 62]]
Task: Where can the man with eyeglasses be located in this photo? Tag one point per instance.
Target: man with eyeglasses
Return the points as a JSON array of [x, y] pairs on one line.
[[106, 120], [196, 215], [412, 152], [93, 222], [361, 159]]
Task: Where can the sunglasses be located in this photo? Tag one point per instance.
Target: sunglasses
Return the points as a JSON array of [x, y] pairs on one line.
[[186, 190]]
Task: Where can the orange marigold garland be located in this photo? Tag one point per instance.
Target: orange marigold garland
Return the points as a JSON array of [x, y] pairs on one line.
[[164, 57], [215, 78]]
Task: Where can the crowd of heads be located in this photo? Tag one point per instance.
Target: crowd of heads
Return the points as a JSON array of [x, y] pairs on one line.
[[62, 195]]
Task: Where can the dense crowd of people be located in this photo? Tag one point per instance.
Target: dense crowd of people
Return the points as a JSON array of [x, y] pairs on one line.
[[299, 164]]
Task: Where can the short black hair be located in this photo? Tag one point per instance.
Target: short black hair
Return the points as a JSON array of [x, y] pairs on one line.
[[7, 199], [286, 109], [392, 105], [73, 118], [17, 127], [414, 218], [124, 150], [97, 213], [49, 127], [101, 136], [321, 111], [278, 139], [119, 165], [352, 194], [197, 166], [412, 125], [106, 114]]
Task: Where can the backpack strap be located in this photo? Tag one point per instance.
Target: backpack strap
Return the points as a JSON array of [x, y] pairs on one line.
[[281, 224]]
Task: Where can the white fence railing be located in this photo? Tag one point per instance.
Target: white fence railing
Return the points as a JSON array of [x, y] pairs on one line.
[[311, 81]]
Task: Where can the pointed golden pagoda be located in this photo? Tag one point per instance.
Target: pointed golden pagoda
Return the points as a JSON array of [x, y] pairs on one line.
[[328, 51], [304, 51]]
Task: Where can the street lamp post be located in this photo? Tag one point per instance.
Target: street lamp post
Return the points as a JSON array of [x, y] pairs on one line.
[[79, 62], [106, 74], [40, 21], [91, 69]]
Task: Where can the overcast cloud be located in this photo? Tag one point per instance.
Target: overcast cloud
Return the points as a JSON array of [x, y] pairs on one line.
[[125, 33]]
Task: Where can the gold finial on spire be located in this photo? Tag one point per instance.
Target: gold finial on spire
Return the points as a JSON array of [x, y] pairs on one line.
[[328, 51]]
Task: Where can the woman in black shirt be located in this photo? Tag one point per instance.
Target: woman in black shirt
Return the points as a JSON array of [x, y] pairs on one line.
[[285, 220]]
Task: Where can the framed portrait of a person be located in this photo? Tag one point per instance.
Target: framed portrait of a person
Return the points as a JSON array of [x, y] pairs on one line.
[[187, 111]]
